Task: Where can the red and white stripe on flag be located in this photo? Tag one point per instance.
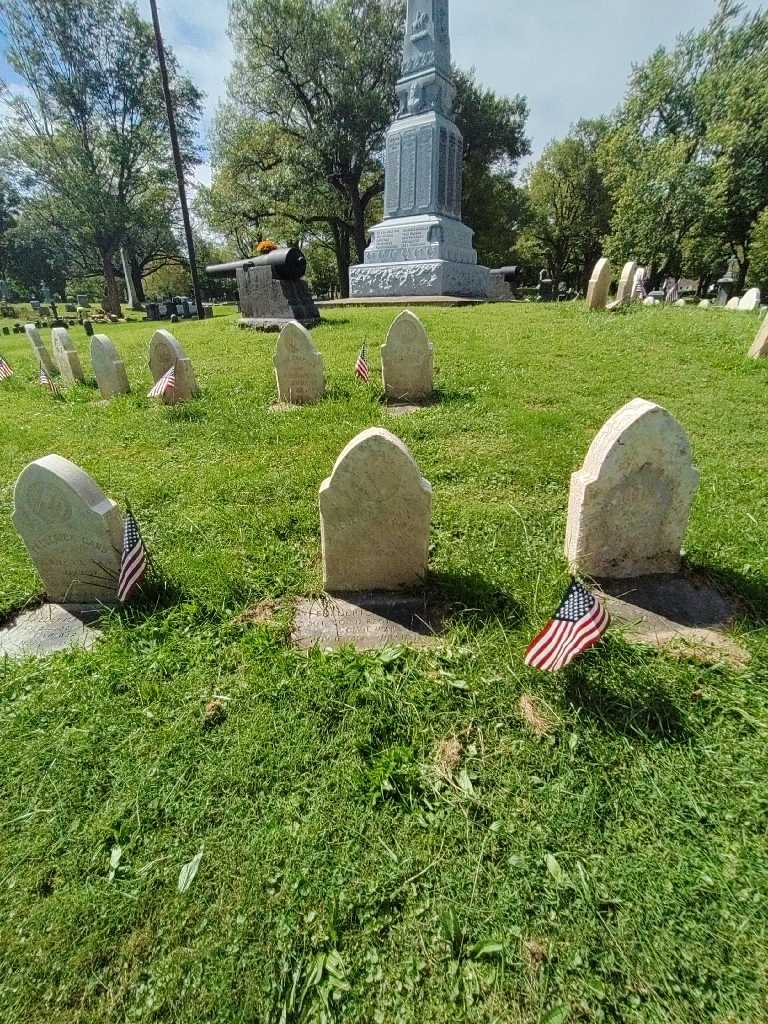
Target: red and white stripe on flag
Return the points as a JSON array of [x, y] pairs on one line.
[[5, 371], [166, 385], [133, 563], [361, 366], [577, 625]]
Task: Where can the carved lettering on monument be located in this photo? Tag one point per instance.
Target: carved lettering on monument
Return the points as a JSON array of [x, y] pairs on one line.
[[451, 188], [392, 178], [442, 170], [424, 168], [408, 171]]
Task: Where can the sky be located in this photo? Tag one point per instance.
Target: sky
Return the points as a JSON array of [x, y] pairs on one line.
[[571, 58]]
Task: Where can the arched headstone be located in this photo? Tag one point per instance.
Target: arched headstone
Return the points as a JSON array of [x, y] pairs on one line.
[[165, 352], [108, 367], [72, 531], [732, 303], [375, 511], [750, 300], [705, 304], [38, 347], [626, 283], [599, 285], [406, 359], [629, 503], [298, 366], [65, 354], [759, 349]]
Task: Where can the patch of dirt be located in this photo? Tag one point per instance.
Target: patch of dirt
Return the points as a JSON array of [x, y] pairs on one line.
[[448, 757], [215, 713], [536, 953], [539, 723], [265, 611]]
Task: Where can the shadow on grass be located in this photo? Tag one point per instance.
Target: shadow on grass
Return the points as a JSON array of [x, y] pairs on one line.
[[647, 716], [325, 324], [748, 593], [470, 599]]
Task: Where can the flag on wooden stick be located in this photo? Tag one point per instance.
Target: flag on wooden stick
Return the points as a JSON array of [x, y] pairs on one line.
[[46, 381], [361, 366], [133, 562], [577, 625], [5, 371], [166, 385]]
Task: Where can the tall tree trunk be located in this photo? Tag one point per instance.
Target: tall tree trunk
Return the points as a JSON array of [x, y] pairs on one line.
[[358, 224], [138, 280], [111, 288], [341, 251]]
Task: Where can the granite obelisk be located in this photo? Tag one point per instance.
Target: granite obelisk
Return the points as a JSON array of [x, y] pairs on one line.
[[422, 247]]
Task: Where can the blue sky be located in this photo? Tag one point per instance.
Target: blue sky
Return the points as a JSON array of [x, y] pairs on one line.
[[571, 58]]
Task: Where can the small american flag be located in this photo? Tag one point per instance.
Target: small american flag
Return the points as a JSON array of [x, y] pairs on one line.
[[46, 381], [165, 386], [361, 366], [133, 563], [5, 370], [577, 625]]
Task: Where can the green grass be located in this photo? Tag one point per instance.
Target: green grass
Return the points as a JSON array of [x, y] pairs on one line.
[[612, 870]]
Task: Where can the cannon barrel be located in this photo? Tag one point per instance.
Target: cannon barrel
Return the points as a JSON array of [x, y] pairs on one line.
[[287, 264]]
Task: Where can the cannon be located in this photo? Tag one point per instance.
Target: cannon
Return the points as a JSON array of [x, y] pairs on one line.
[[286, 264], [271, 289]]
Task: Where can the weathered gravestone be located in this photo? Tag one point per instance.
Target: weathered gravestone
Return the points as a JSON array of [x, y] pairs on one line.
[[629, 503], [108, 367], [732, 303], [626, 283], [271, 290], [406, 360], [705, 304], [48, 629], [750, 300], [88, 328], [759, 349], [375, 512], [65, 354], [72, 531], [165, 352], [599, 284], [38, 347], [298, 367]]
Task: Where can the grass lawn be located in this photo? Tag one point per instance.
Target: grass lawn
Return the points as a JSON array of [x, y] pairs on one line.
[[384, 837]]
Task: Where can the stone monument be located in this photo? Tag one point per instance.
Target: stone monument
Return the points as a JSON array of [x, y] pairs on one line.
[[108, 367], [759, 349], [271, 290], [130, 289], [750, 300], [72, 531], [67, 359], [165, 352], [41, 352], [422, 247], [599, 285], [406, 360], [629, 503], [627, 283], [298, 367], [375, 510]]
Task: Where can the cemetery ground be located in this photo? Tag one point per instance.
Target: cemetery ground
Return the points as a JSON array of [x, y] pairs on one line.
[[398, 835]]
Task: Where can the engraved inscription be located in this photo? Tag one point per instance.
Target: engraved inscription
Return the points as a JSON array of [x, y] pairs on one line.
[[408, 172], [392, 177], [424, 168], [451, 189], [442, 172]]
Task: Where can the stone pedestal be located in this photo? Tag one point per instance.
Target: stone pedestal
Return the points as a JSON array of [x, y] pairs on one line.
[[421, 247], [269, 303]]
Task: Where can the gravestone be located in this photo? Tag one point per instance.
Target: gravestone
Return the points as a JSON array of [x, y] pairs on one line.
[[6, 330], [108, 367], [750, 300], [705, 304], [759, 349], [732, 303], [375, 512], [130, 288], [72, 531], [629, 503], [48, 629], [88, 327], [626, 283], [65, 354], [649, 300], [406, 360], [38, 347], [298, 367], [599, 284], [165, 352]]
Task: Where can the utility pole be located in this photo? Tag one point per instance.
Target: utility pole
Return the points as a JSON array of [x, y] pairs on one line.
[[177, 161]]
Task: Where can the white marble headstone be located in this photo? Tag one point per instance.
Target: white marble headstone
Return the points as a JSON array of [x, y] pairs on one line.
[[626, 283], [732, 303], [165, 352], [406, 360], [108, 367], [599, 285], [298, 367], [629, 503], [375, 511], [759, 349], [72, 531], [750, 300], [41, 352], [65, 354]]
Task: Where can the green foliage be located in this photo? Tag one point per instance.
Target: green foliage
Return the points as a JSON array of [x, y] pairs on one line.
[[568, 206], [617, 861]]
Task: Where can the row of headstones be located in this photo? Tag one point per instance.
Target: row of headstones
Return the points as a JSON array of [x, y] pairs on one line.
[[627, 514], [629, 289], [406, 363], [108, 368]]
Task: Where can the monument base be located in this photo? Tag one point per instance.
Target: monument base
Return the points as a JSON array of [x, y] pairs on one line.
[[262, 323], [426, 277]]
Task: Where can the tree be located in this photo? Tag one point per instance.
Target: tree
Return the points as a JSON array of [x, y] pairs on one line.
[[569, 207], [90, 127], [685, 159], [321, 75]]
